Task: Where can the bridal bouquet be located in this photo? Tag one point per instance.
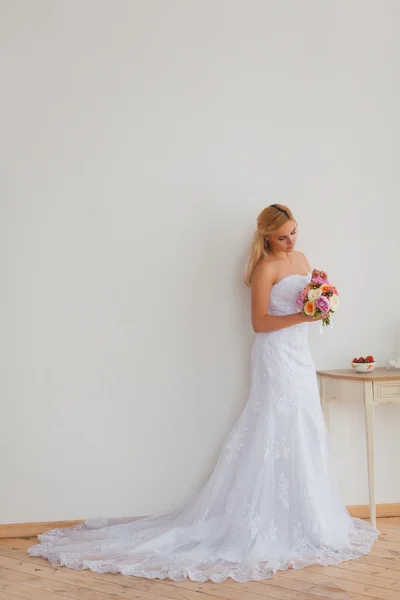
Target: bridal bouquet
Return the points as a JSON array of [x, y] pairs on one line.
[[319, 297]]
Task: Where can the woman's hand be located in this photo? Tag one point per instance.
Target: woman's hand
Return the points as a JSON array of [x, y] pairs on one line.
[[312, 319], [319, 274]]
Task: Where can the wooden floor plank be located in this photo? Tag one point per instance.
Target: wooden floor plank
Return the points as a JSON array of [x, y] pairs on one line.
[[389, 536], [371, 569], [231, 590], [375, 576], [6, 596], [48, 585], [180, 591], [384, 553], [83, 590], [26, 592], [349, 575], [326, 589], [376, 561], [306, 575], [62, 576], [106, 583], [387, 545], [22, 543], [242, 591], [388, 521]]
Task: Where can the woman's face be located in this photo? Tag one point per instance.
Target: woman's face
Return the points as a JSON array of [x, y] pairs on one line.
[[284, 239]]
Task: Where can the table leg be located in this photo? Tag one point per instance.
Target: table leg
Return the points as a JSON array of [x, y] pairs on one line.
[[370, 434], [324, 399]]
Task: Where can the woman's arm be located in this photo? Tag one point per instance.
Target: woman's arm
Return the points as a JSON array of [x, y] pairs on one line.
[[261, 283]]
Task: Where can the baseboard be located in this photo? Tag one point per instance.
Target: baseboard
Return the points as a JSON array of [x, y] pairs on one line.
[[19, 530], [382, 510]]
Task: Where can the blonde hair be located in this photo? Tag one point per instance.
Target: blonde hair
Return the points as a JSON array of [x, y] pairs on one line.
[[270, 219]]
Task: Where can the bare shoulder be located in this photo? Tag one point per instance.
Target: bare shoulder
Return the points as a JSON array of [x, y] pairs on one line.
[[302, 260], [265, 270]]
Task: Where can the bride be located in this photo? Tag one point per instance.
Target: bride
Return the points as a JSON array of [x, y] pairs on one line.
[[270, 502]]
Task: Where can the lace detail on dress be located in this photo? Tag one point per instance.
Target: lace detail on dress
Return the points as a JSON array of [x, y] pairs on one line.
[[282, 450], [270, 502], [283, 489], [234, 443]]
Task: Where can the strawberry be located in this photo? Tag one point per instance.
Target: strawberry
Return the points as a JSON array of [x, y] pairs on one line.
[[355, 360], [370, 359]]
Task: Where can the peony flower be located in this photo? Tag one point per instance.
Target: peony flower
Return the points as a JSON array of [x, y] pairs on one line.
[[319, 276], [334, 302], [314, 293], [310, 308], [318, 280], [300, 300], [323, 304]]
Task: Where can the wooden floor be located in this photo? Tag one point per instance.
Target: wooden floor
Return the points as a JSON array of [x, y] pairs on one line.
[[376, 575]]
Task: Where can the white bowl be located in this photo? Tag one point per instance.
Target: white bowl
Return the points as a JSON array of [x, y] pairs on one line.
[[363, 367]]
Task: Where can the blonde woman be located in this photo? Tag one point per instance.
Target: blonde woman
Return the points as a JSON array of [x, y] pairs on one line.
[[270, 503]]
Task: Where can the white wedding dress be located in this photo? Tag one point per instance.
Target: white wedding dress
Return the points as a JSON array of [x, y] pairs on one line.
[[269, 503]]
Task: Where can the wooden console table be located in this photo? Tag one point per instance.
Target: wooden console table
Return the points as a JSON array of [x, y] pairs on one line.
[[380, 386]]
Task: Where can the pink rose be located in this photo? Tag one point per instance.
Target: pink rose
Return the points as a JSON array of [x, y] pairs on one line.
[[323, 304]]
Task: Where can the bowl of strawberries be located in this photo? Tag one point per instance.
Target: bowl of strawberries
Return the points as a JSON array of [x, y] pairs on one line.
[[363, 365]]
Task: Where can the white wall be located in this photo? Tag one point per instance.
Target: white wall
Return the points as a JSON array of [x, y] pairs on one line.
[[139, 141]]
